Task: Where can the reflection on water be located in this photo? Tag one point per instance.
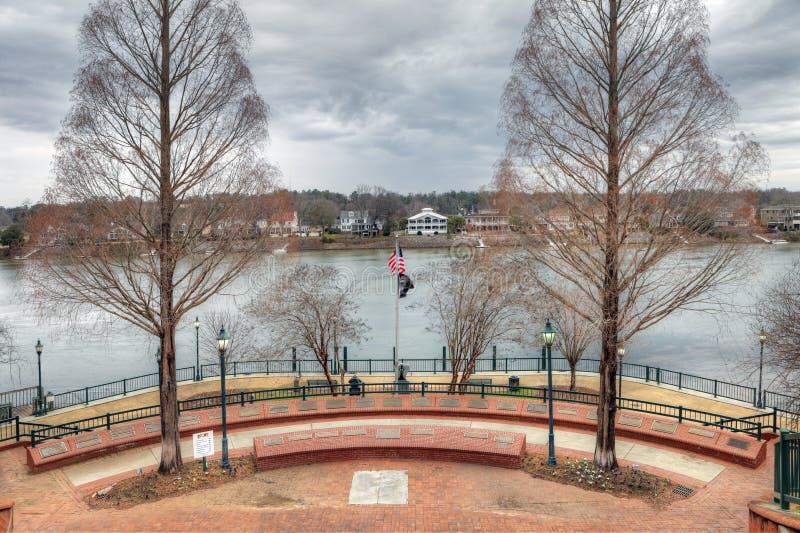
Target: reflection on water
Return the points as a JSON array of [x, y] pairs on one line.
[[97, 351]]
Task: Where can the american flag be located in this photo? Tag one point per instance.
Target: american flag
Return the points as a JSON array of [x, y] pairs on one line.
[[396, 262]]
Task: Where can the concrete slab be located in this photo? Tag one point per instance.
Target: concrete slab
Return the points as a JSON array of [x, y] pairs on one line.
[[109, 465], [379, 487], [693, 467]]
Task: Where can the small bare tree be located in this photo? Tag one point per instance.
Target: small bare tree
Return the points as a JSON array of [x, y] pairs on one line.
[[8, 352], [475, 303], [159, 166], [243, 344], [777, 313], [574, 333], [309, 307], [613, 116]]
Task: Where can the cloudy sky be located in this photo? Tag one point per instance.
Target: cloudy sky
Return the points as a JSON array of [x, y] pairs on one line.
[[398, 93]]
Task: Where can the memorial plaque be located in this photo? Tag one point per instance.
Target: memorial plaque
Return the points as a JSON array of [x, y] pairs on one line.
[[702, 432], [279, 408], [53, 449], [507, 439], [326, 434], [537, 408], [310, 405], [335, 404], [476, 435], [628, 420], [478, 404], [592, 414], [502, 445], [300, 436], [152, 427], [507, 406], [123, 433], [421, 431], [664, 427], [353, 432], [273, 441], [572, 412], [363, 402], [393, 402], [188, 420], [214, 416], [251, 410], [421, 402], [739, 443], [449, 402], [84, 441], [388, 433]]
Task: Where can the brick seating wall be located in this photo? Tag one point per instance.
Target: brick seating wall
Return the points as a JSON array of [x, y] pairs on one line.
[[710, 441], [493, 448]]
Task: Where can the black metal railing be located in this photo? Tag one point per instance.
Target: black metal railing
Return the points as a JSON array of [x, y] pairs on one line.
[[752, 425], [115, 388], [660, 376], [787, 469]]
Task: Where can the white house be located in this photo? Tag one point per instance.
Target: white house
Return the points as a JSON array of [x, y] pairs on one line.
[[358, 223], [427, 223]]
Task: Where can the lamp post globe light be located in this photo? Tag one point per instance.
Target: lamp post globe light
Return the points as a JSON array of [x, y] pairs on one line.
[[620, 355], [197, 348], [222, 344], [549, 337], [762, 337], [39, 347]]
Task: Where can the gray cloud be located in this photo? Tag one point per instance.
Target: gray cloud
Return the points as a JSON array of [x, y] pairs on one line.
[[397, 93]]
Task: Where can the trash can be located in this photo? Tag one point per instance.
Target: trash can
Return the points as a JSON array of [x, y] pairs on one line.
[[513, 383], [355, 386], [402, 379]]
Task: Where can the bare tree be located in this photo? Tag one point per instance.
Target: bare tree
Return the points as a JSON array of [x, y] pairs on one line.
[[777, 314], [613, 117], [311, 307], [474, 303], [8, 351], [243, 344], [159, 161]]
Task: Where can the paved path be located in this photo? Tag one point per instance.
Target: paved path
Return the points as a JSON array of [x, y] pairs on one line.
[[631, 389], [684, 464], [441, 497]]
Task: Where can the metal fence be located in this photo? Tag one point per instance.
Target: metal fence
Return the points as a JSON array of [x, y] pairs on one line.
[[650, 374], [13, 428], [787, 469]]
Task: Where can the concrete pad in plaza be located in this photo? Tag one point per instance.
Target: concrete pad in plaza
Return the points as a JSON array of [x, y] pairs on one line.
[[379, 487]]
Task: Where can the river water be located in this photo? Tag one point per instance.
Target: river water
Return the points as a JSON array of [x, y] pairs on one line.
[[718, 346]]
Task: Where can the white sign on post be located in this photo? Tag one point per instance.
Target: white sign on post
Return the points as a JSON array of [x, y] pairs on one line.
[[203, 444]]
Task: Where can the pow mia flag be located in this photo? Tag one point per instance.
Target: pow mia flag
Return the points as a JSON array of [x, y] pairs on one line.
[[405, 285]]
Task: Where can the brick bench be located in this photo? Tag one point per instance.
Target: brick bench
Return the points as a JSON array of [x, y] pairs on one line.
[[438, 443], [734, 447]]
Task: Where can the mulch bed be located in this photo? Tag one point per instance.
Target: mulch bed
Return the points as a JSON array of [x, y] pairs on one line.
[[627, 481], [154, 486]]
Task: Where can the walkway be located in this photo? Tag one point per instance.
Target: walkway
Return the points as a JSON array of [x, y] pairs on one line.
[[684, 464]]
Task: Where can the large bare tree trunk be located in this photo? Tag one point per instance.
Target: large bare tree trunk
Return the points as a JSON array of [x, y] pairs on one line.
[[605, 453]]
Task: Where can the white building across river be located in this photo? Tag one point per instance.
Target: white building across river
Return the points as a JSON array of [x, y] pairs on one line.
[[427, 223]]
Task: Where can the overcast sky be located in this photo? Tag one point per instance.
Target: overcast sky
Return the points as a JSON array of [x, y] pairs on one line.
[[402, 94]]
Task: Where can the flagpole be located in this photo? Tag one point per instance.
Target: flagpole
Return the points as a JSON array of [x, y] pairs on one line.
[[397, 313]]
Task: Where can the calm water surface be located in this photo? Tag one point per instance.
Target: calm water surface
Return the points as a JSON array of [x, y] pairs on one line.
[[717, 346]]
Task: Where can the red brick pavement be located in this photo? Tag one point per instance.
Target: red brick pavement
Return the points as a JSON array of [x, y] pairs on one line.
[[442, 497]]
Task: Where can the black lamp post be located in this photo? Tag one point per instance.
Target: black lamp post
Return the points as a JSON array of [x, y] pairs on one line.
[[197, 348], [761, 339], [222, 345], [620, 355], [549, 337], [39, 348]]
